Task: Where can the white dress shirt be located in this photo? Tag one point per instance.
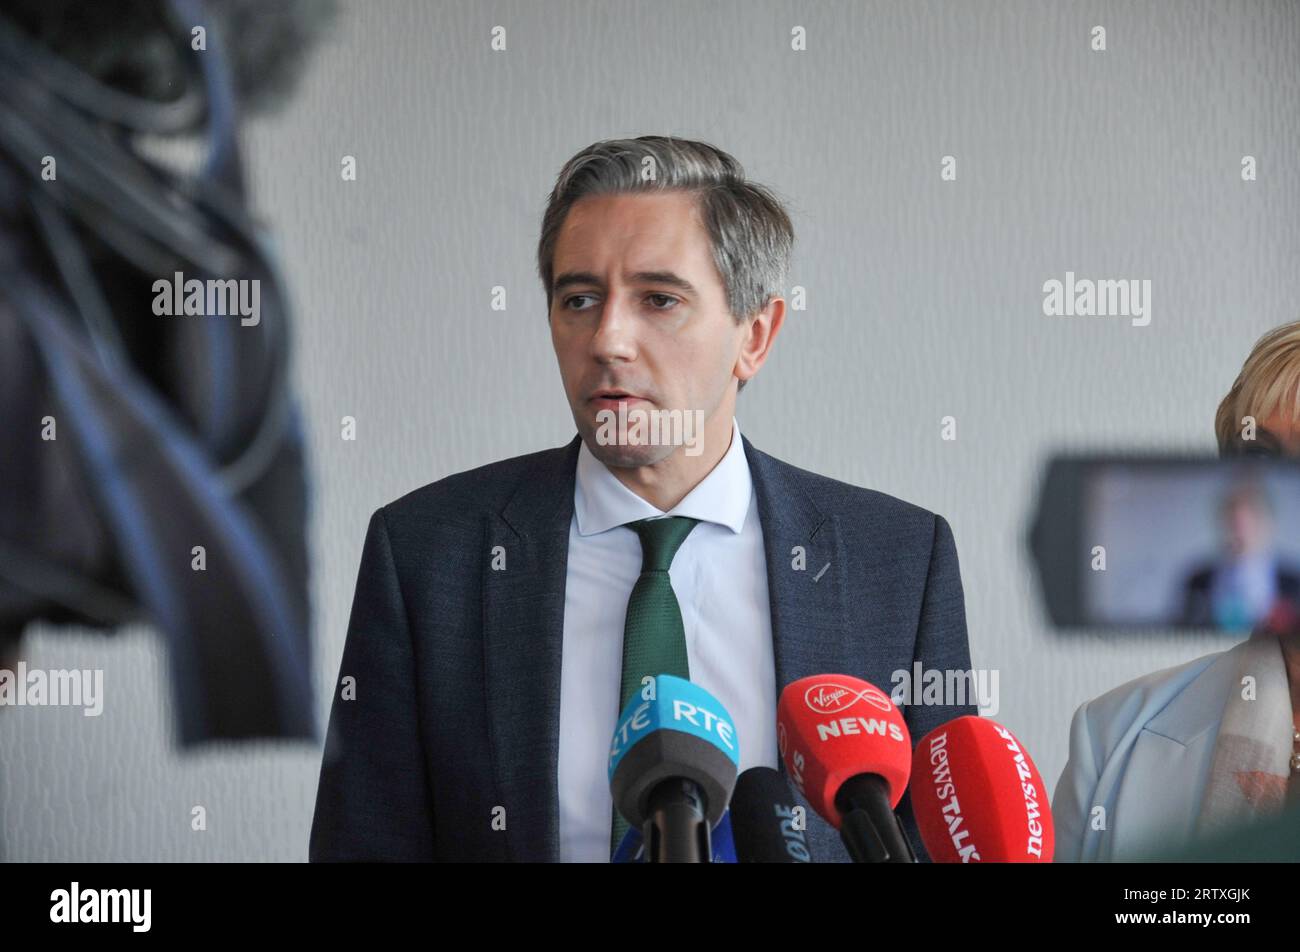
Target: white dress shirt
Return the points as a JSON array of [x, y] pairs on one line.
[[720, 578]]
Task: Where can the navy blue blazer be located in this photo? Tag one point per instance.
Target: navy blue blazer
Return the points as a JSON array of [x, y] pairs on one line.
[[453, 729]]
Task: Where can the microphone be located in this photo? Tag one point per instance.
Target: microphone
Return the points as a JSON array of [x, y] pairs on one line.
[[847, 750], [978, 797], [762, 820], [631, 849], [672, 766]]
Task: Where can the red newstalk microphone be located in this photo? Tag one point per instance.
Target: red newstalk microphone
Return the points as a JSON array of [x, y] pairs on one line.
[[978, 798], [847, 750]]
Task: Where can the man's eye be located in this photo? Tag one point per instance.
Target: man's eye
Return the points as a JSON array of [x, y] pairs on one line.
[[568, 302], [662, 297]]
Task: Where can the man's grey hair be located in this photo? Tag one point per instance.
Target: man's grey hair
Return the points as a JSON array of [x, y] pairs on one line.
[[748, 228]]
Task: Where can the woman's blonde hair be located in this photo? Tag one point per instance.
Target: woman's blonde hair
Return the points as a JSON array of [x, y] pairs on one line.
[[1269, 378]]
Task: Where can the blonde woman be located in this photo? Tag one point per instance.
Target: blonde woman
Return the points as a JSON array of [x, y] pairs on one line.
[[1192, 750]]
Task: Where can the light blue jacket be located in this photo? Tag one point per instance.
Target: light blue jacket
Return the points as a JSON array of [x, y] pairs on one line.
[[1139, 762]]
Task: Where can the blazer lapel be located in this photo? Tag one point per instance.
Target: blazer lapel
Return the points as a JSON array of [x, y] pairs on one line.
[[523, 633], [1173, 751], [810, 623]]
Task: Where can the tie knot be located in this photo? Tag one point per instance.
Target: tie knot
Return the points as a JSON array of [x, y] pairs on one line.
[[660, 540]]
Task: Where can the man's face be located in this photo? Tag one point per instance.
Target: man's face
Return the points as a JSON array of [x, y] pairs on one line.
[[639, 310], [1247, 526]]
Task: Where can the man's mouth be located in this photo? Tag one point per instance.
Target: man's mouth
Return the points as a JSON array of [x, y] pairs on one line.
[[613, 396]]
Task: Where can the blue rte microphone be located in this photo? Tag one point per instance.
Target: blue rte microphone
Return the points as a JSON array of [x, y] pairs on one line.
[[631, 849], [672, 766]]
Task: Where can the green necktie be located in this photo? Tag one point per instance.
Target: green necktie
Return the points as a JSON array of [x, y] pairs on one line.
[[654, 640]]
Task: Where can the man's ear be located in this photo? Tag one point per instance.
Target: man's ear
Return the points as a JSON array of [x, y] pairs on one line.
[[759, 336]]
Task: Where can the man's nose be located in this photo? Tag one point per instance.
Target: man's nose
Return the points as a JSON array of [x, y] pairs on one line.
[[615, 337]]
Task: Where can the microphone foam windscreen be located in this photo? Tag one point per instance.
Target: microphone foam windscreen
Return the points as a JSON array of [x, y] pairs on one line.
[[682, 732], [768, 826], [978, 797], [831, 727]]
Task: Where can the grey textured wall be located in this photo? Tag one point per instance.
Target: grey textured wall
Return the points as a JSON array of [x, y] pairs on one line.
[[924, 300]]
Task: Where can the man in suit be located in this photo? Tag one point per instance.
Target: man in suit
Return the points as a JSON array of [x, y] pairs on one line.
[[1242, 587], [504, 615]]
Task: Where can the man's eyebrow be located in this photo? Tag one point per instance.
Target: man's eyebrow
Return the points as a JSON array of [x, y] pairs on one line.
[[664, 277], [669, 278], [570, 278]]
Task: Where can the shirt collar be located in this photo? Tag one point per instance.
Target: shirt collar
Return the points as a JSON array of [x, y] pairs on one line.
[[601, 502]]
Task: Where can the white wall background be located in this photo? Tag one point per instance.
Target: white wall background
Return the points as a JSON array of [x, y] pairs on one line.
[[924, 300]]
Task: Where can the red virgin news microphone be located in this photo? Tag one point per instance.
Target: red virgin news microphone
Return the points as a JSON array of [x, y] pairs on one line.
[[978, 798], [847, 750]]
